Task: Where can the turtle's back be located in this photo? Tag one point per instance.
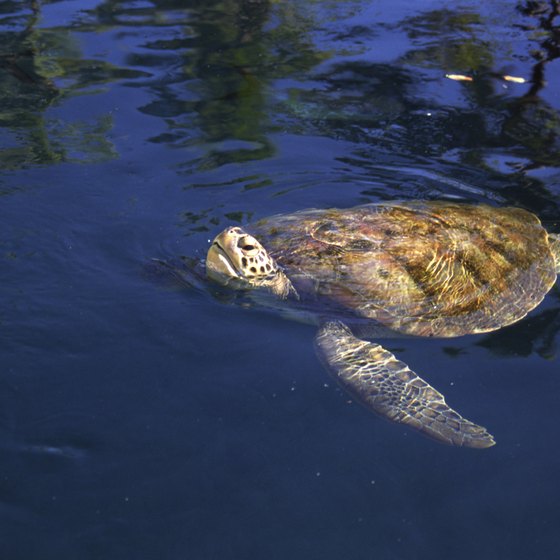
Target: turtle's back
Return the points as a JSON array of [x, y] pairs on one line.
[[425, 268]]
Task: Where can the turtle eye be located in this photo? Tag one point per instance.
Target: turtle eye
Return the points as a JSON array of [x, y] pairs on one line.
[[247, 244]]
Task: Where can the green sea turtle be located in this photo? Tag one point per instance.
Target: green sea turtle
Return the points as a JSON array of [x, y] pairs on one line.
[[439, 269]]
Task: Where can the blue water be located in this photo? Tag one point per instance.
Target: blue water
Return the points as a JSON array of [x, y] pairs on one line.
[[142, 420]]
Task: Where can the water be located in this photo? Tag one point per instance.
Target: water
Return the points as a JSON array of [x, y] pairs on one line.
[[141, 420]]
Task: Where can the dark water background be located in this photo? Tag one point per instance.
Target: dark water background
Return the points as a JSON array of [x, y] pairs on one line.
[[141, 421]]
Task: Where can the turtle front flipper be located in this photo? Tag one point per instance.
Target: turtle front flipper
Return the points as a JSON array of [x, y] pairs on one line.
[[385, 385]]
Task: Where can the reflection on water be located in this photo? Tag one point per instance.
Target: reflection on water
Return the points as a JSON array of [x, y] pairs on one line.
[[224, 76], [133, 130]]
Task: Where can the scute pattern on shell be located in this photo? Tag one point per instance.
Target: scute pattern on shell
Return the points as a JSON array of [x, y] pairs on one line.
[[422, 268]]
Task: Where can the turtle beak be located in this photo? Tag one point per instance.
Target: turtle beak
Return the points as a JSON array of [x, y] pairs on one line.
[[219, 265]]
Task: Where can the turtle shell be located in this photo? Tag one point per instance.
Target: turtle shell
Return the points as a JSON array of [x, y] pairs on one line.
[[421, 268]]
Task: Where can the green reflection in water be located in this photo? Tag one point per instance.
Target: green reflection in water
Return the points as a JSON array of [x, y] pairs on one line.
[[235, 50], [39, 68], [224, 75]]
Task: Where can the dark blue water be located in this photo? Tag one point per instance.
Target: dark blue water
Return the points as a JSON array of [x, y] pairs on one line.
[[142, 420]]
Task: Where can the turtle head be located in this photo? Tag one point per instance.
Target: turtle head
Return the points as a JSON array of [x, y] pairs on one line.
[[236, 257]]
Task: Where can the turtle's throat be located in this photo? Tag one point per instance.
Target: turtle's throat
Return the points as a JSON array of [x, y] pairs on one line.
[[279, 284]]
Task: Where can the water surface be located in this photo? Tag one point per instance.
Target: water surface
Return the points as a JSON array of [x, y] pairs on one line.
[[139, 419]]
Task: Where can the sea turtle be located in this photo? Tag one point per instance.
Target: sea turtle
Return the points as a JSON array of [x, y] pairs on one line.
[[430, 268]]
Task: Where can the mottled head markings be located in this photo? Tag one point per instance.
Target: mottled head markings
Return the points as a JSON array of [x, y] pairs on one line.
[[237, 257]]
